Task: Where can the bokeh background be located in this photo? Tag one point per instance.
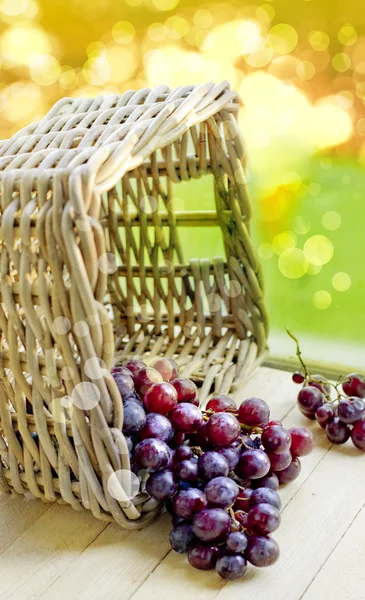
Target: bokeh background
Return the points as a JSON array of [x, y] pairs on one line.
[[300, 69]]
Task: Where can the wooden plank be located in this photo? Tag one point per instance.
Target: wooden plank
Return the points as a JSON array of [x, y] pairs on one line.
[[18, 514], [343, 575], [37, 558]]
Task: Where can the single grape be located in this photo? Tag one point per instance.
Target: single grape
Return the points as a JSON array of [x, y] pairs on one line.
[[187, 470], [310, 399], [254, 412], [125, 385], [182, 537], [231, 454], [358, 435], [134, 365], [325, 414], [354, 385], [276, 439], [236, 541], [268, 481], [161, 485], [231, 566], [221, 404], [177, 440], [337, 432], [272, 423], [281, 461], [243, 500], [152, 454], [160, 398], [188, 502], [203, 556], [320, 382], [211, 465], [134, 418], [211, 524], [263, 519], [166, 366], [121, 371], [262, 551], [298, 377], [157, 426], [186, 418], [303, 441], [351, 410], [144, 378], [186, 390], [253, 464], [183, 453], [290, 473], [221, 491], [265, 496], [222, 429]]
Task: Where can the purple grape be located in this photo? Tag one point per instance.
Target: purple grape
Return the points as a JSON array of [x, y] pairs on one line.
[[187, 470], [203, 556], [337, 432], [134, 365], [298, 377], [236, 541], [199, 438], [125, 385], [276, 439], [188, 502], [182, 537], [157, 426], [134, 418], [290, 473], [320, 382], [355, 386], [324, 414], [211, 464], [310, 399], [351, 410], [231, 566], [302, 441], [262, 551], [263, 519], [358, 435], [121, 370], [211, 524], [265, 496], [231, 454], [253, 464], [222, 429], [280, 461], [183, 453], [221, 491], [254, 412], [186, 418], [243, 500], [161, 485], [152, 454], [269, 481]]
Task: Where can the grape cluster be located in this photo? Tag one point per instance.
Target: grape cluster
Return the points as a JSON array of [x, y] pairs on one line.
[[217, 470], [340, 414]]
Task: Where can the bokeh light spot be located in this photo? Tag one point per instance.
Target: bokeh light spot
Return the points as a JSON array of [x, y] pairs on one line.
[[331, 220], [165, 5], [301, 225], [319, 40], [341, 281], [284, 241], [347, 34], [265, 13], [96, 71], [306, 70], [45, 69], [203, 19], [13, 8], [95, 368], [322, 299], [283, 38], [86, 395], [62, 325], [123, 32], [107, 263], [293, 263], [265, 251], [123, 485], [341, 62], [318, 250]]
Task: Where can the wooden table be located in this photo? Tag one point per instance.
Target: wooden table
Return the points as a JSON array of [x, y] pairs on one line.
[[52, 552]]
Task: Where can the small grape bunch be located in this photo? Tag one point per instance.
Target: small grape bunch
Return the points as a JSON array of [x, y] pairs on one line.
[[217, 470], [339, 408]]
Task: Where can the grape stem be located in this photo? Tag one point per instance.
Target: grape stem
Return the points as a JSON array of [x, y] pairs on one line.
[[299, 353]]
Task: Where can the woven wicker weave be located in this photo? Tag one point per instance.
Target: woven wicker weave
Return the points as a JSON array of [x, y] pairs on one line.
[[92, 180]]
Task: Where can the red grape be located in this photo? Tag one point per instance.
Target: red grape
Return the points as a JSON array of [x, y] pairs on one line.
[[265, 496], [276, 439], [268, 481], [325, 414], [263, 519], [222, 429], [320, 382], [298, 377], [183, 453], [160, 398], [355, 386], [200, 437], [243, 500], [186, 418], [272, 423], [310, 399], [161, 485], [254, 412], [280, 461], [157, 426], [337, 432], [231, 455], [134, 418], [121, 371], [166, 366], [134, 365], [358, 435], [221, 404], [145, 377], [290, 473], [221, 491], [253, 464], [186, 391], [187, 470], [188, 502], [211, 464], [152, 454], [351, 410], [211, 524], [203, 556], [177, 439], [303, 441], [262, 551], [182, 537], [231, 566]]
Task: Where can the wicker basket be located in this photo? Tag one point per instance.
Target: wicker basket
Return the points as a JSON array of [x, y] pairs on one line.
[[74, 192]]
